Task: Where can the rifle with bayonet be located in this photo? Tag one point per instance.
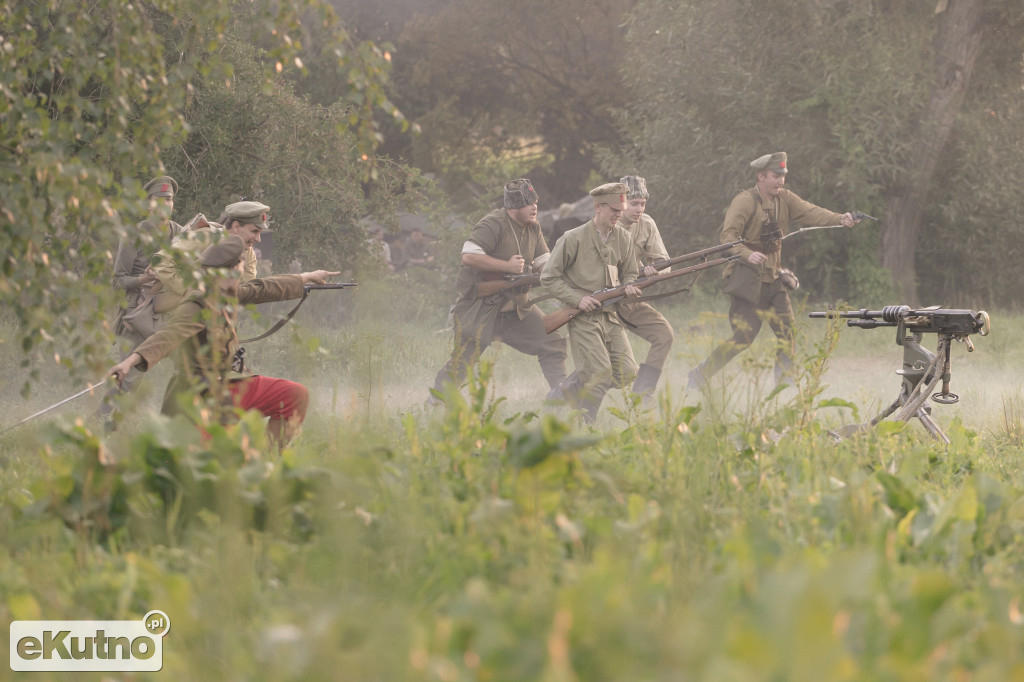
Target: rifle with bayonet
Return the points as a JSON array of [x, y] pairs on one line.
[[511, 282], [922, 370], [606, 297], [306, 288]]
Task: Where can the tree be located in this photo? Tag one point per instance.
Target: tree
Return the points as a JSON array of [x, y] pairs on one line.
[[501, 88], [855, 93], [94, 94]]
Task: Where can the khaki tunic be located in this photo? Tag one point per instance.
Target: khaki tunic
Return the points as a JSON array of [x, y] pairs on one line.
[[189, 245], [641, 318], [647, 241], [581, 264], [202, 330], [479, 320], [131, 262], [748, 212]]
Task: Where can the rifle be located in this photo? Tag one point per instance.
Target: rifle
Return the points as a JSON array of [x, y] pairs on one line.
[[489, 287], [703, 253], [508, 281], [306, 288], [606, 297], [329, 285], [922, 369]]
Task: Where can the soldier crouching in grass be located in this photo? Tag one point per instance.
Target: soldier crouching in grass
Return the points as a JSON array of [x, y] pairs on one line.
[[203, 327]]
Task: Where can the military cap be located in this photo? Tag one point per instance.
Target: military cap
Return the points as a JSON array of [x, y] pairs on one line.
[[161, 186], [248, 212], [611, 193], [226, 253], [775, 163], [519, 193], [637, 187]]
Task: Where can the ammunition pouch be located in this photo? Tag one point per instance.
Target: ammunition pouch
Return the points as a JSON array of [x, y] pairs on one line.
[[744, 282]]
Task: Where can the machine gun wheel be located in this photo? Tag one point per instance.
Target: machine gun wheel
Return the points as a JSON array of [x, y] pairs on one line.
[[945, 398]]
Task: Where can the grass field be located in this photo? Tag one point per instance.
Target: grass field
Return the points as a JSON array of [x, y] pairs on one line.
[[719, 536]]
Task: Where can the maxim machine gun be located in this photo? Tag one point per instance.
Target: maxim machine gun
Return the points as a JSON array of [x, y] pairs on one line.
[[922, 369]]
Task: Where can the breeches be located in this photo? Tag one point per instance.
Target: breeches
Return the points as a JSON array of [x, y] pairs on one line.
[[526, 336], [274, 398], [601, 353], [652, 327]]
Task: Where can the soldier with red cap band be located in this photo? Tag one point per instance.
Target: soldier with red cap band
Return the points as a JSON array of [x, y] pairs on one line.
[[757, 284], [132, 274]]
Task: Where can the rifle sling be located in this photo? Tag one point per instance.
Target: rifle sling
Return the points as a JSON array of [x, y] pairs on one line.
[[280, 323]]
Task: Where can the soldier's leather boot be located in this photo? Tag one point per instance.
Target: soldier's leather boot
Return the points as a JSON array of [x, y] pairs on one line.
[[590, 408], [568, 391], [646, 380], [784, 371], [696, 379]]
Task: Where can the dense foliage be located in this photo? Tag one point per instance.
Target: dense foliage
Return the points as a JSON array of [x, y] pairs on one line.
[[100, 97]]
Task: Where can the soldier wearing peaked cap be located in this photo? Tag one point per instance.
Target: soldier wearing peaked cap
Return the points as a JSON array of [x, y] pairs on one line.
[[131, 269], [641, 318], [588, 258], [247, 219], [203, 327], [507, 240], [757, 283]]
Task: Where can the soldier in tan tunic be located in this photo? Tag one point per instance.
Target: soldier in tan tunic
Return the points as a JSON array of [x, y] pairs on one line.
[[761, 216], [247, 219], [507, 240], [203, 328], [641, 318], [594, 256], [131, 270]]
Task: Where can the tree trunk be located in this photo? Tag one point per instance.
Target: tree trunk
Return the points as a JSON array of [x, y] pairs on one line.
[[957, 44]]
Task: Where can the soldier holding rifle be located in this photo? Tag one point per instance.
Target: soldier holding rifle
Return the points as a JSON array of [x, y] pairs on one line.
[[594, 256], [640, 318], [757, 284], [507, 240]]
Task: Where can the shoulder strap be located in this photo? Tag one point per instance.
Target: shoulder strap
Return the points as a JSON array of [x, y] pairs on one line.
[[280, 323]]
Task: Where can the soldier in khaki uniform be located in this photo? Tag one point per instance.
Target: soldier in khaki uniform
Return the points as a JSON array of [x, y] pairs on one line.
[[591, 257], [203, 327], [131, 273], [761, 215], [641, 318], [506, 240], [247, 219]]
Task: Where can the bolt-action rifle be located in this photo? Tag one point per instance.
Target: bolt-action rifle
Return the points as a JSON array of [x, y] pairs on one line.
[[306, 288], [606, 297], [922, 370], [511, 282]]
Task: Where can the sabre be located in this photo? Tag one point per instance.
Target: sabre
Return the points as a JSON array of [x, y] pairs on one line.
[[857, 216], [55, 405]]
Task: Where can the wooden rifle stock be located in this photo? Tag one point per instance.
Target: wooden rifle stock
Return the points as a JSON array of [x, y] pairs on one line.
[[495, 286], [553, 321]]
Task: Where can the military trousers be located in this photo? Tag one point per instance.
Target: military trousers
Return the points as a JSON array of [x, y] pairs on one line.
[[652, 327], [746, 319], [602, 355], [526, 335]]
